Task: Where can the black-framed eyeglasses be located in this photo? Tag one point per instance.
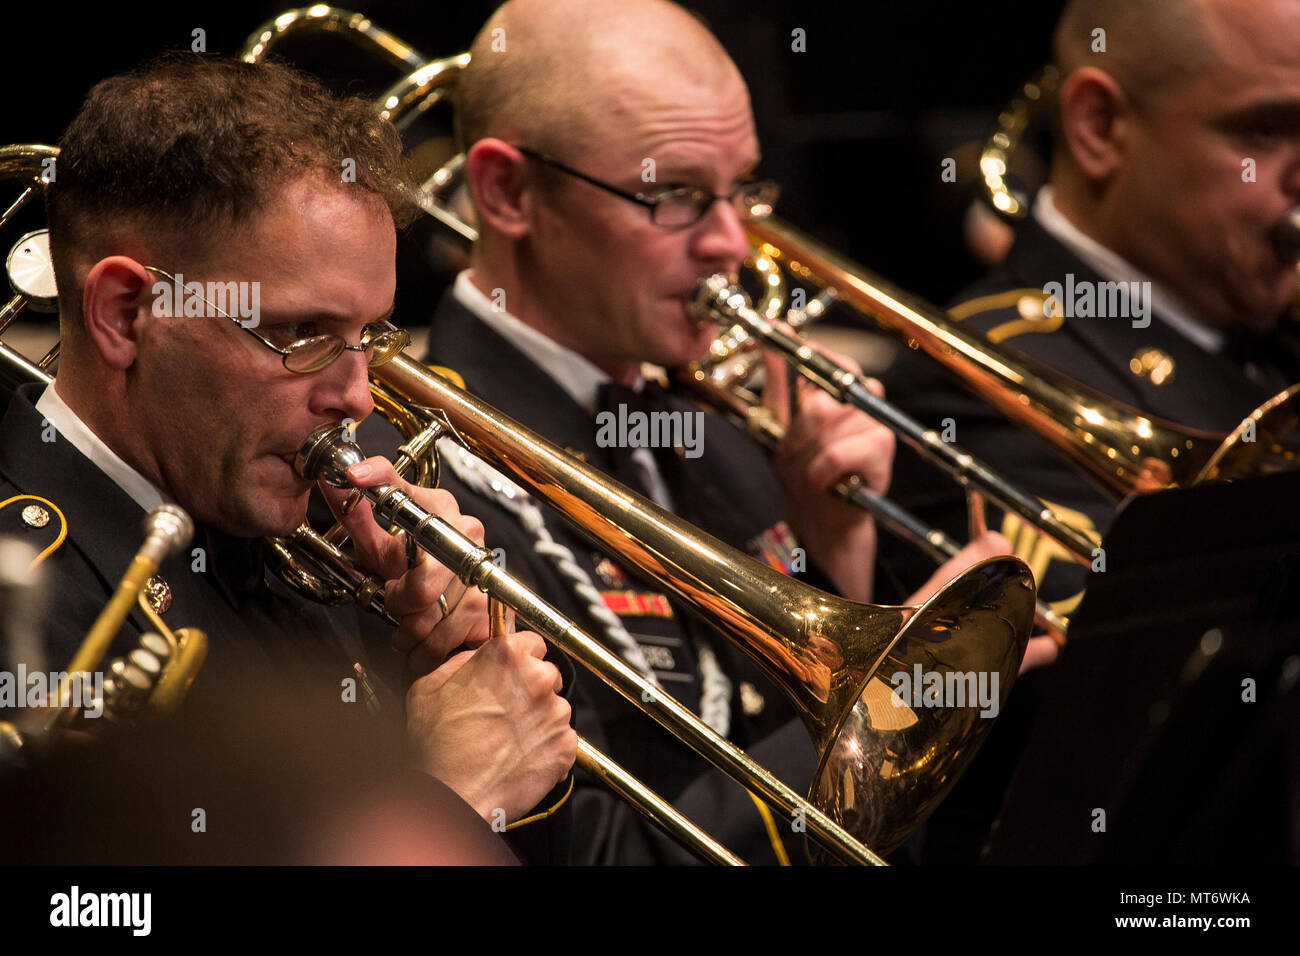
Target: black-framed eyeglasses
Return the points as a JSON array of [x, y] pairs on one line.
[[380, 341], [672, 208]]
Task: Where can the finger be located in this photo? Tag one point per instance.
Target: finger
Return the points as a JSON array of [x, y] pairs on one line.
[[988, 545], [1040, 652], [776, 387], [377, 550], [527, 643], [442, 632], [548, 678], [868, 454], [818, 414], [417, 591]]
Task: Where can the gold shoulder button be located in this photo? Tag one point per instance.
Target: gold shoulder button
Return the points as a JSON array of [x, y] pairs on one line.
[[34, 516], [158, 593], [40, 515]]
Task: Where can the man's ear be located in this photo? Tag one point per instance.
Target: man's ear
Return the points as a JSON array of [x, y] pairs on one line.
[[117, 288], [495, 175], [1094, 115]]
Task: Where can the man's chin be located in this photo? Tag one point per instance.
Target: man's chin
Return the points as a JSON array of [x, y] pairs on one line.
[[273, 517]]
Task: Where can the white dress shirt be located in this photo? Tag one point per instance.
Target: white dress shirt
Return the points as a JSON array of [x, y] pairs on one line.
[[578, 376], [1164, 305], [78, 434]]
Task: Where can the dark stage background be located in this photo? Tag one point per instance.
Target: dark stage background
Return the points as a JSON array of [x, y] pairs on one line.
[[856, 127]]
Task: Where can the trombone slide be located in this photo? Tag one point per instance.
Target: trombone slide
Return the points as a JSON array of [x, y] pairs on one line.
[[327, 455], [648, 803], [719, 298]]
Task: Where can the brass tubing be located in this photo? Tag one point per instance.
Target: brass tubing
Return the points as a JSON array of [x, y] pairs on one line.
[[653, 807], [726, 301], [475, 566], [827, 653], [1122, 449], [644, 800], [747, 412], [167, 530]]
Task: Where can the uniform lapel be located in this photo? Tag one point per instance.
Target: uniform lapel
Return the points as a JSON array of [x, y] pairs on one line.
[[1206, 390]]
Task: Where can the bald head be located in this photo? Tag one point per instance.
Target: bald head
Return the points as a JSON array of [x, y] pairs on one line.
[[548, 73], [1150, 45]]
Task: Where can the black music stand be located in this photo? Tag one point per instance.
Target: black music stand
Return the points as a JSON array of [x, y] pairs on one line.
[[1143, 716]]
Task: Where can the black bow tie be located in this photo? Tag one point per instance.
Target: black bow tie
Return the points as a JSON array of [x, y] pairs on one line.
[[621, 402]]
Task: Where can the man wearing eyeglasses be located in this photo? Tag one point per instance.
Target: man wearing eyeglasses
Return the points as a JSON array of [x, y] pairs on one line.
[[255, 179], [611, 157]]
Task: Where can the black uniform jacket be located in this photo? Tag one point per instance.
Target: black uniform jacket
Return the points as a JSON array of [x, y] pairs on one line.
[[730, 491], [1154, 369], [260, 632]]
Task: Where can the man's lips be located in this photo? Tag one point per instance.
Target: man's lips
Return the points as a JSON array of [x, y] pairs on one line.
[[288, 459]]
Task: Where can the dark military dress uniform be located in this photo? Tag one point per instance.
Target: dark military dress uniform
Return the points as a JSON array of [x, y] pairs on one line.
[[1155, 369], [730, 491], [260, 633]]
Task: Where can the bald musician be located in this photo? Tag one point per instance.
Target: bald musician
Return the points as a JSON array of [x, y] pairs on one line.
[[612, 159]]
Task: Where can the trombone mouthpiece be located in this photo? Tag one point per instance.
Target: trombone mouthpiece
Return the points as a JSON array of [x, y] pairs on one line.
[[326, 455], [714, 296]]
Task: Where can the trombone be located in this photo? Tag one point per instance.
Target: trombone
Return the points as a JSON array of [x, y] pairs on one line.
[[723, 302], [1122, 449], [884, 765], [588, 496], [154, 677], [718, 383], [882, 768]]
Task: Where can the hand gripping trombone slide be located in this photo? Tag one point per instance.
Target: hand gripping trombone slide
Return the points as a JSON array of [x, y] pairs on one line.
[[327, 455]]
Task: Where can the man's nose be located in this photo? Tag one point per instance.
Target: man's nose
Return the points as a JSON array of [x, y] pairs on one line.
[[720, 237], [342, 389]]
